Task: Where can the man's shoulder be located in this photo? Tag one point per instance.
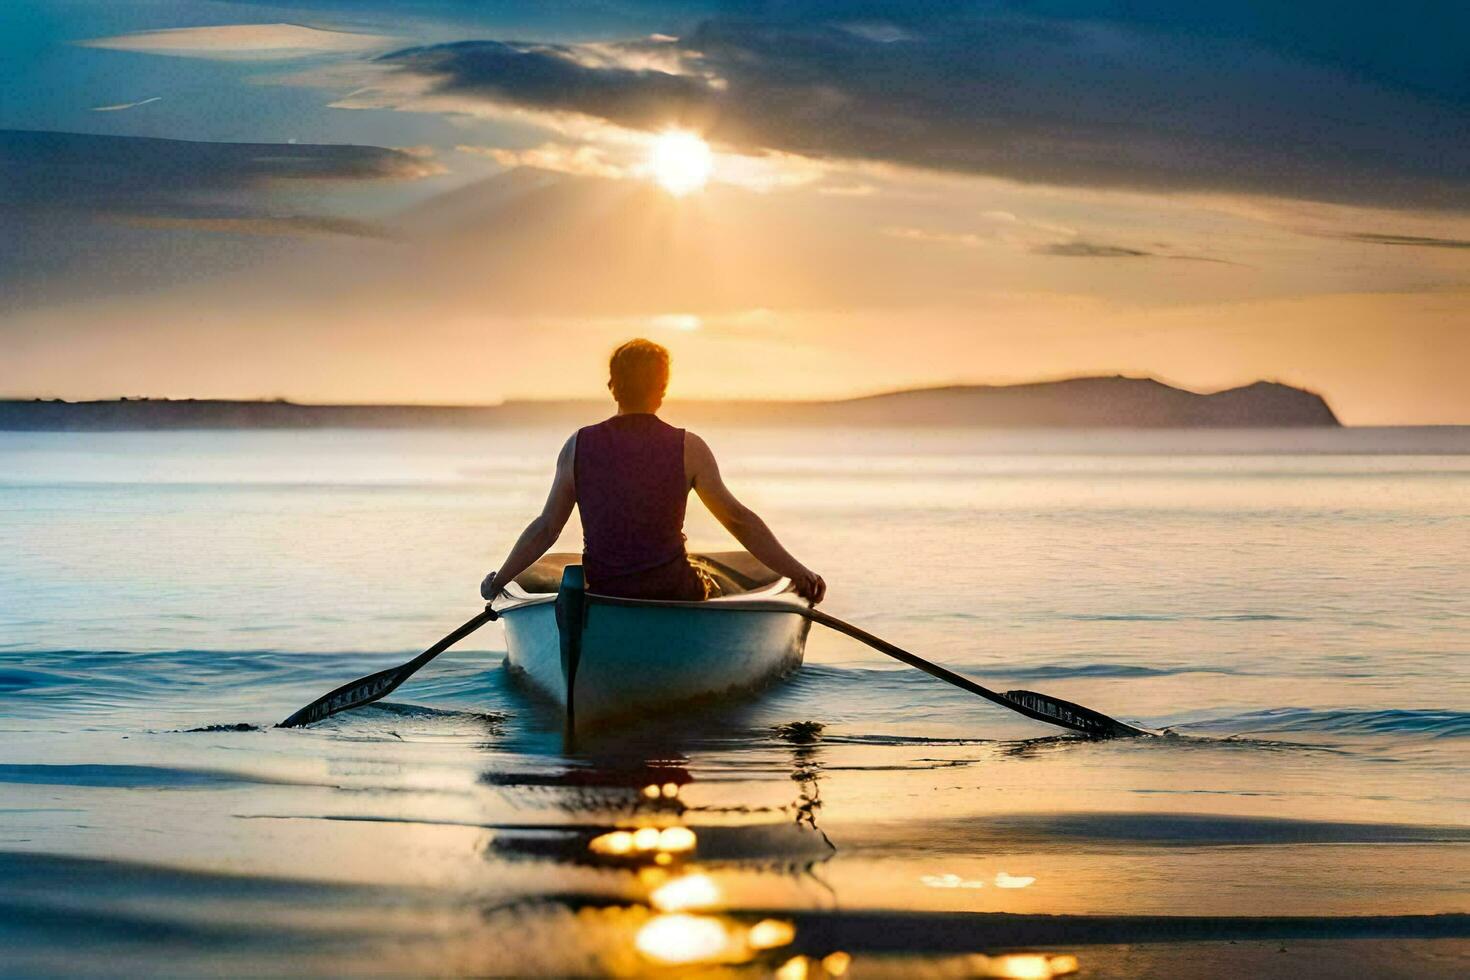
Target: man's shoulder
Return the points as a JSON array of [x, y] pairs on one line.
[[569, 447], [697, 453]]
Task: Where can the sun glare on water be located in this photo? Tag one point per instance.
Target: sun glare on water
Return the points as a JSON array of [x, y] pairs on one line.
[[681, 162]]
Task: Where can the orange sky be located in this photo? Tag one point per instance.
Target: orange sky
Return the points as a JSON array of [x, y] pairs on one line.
[[791, 293]]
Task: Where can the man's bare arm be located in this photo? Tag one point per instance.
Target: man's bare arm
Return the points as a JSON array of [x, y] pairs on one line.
[[742, 522], [542, 532]]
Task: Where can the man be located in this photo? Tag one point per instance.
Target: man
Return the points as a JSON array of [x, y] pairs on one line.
[[630, 476]]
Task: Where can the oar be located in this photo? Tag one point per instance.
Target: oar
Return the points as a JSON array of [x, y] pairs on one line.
[[1042, 707], [368, 689], [1029, 703]]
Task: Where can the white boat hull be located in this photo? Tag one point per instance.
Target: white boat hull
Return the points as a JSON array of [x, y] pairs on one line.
[[643, 659]]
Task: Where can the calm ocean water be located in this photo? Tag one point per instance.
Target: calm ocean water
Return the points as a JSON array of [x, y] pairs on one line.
[[1297, 621]]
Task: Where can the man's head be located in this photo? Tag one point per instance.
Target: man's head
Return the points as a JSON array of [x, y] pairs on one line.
[[638, 375]]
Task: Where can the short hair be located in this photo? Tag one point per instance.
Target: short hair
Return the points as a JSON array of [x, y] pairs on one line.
[[638, 372]]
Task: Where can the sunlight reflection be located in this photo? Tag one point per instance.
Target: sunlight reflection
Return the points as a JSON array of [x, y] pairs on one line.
[[1023, 966], [951, 881], [689, 892], [682, 938], [793, 969], [676, 839], [836, 963], [804, 967], [1003, 880], [618, 842], [645, 842], [770, 933]]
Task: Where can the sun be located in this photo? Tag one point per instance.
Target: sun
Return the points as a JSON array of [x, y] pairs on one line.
[[681, 162]]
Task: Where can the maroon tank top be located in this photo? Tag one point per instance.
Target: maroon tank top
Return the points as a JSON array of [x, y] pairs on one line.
[[632, 491]]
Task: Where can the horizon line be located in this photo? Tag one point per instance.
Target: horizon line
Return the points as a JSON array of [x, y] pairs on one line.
[[739, 399]]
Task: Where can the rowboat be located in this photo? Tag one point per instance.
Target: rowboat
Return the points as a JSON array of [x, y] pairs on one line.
[[605, 660], [636, 657]]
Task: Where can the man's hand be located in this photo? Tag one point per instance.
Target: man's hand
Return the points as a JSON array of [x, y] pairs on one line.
[[489, 589], [810, 585]]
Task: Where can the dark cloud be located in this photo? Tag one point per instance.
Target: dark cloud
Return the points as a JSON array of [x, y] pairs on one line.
[[550, 78], [1206, 258], [1080, 249], [289, 226], [1419, 240], [1150, 102], [49, 171], [1089, 250], [1423, 51]]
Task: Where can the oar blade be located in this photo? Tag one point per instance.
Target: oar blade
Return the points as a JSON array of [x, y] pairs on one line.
[[363, 691], [368, 689], [1044, 707]]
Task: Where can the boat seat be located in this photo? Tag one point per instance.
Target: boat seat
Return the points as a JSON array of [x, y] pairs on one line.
[[736, 572]]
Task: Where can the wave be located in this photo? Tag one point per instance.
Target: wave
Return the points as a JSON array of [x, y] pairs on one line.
[[1101, 830], [101, 776], [260, 659], [1252, 618], [472, 697], [1167, 618], [177, 667], [424, 711], [897, 741], [869, 675], [17, 679], [1428, 722], [109, 676], [1056, 671]]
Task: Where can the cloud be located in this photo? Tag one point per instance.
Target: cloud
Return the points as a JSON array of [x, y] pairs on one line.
[[1206, 258], [1082, 249], [1021, 235], [290, 226], [628, 159], [243, 42], [556, 78], [1414, 240], [125, 105], [956, 239], [583, 161], [79, 171], [996, 227], [1136, 104], [1091, 250]]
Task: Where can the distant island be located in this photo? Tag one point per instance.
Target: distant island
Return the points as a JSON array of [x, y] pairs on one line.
[[1116, 402]]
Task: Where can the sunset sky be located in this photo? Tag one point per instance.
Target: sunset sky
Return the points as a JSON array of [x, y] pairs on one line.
[[433, 201]]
